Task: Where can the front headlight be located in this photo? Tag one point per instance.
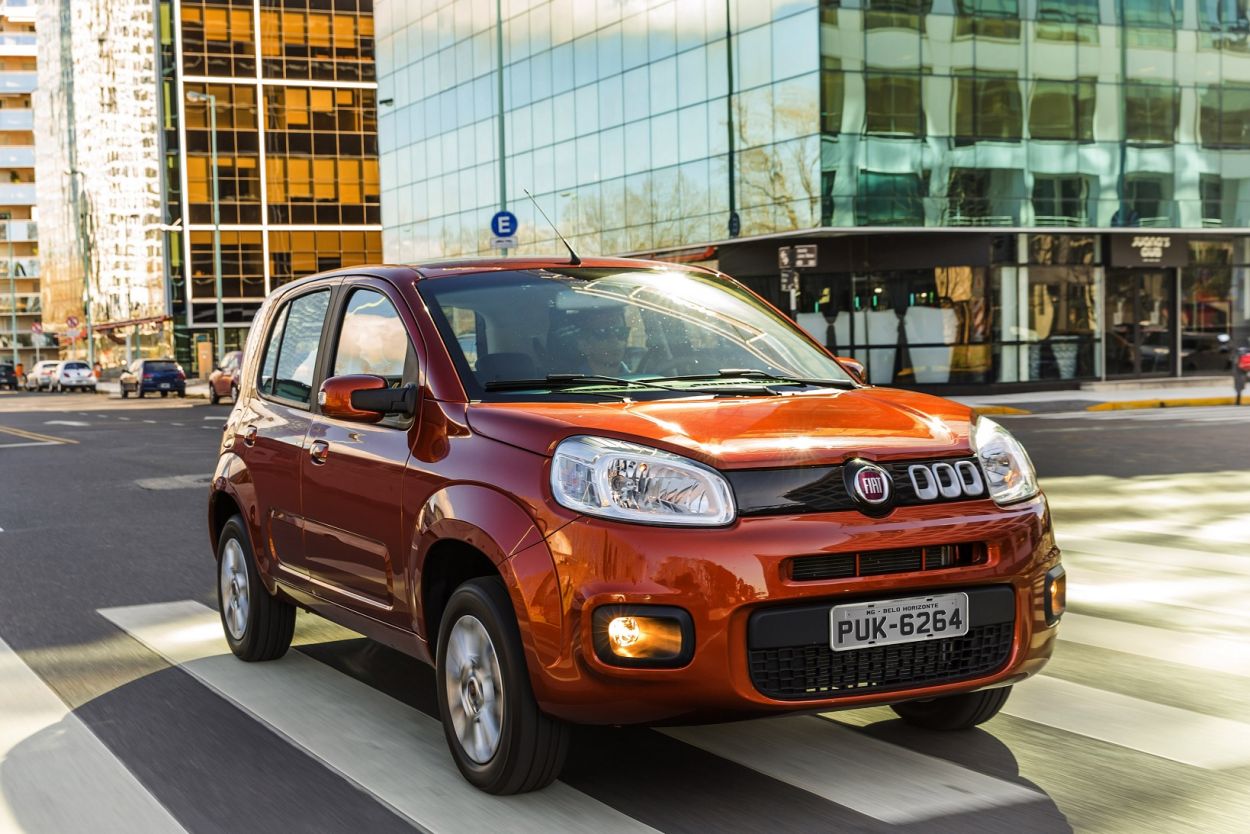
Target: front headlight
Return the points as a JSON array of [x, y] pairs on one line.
[[1008, 470], [628, 482]]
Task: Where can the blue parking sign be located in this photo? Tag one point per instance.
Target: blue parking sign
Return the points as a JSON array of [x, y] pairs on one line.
[[503, 224]]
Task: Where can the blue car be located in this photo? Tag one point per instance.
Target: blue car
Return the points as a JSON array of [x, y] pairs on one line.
[[154, 376]]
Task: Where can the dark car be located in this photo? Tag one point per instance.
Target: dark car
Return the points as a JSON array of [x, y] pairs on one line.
[[8, 377], [647, 498], [154, 376]]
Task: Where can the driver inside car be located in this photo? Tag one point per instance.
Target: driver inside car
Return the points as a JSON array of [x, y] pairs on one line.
[[599, 337]]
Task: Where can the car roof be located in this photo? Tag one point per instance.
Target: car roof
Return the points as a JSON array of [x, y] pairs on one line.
[[399, 274]]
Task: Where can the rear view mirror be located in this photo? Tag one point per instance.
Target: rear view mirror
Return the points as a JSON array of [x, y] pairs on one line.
[[364, 398], [853, 367]]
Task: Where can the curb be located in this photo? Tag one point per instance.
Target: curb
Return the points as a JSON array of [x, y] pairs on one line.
[[999, 409], [1128, 405]]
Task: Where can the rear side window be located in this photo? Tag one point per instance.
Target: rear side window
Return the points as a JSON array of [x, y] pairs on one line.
[[291, 357]]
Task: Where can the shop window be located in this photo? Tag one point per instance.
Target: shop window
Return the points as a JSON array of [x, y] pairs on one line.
[[1224, 117], [894, 105], [1063, 110], [1211, 191], [890, 199], [987, 107], [1151, 112], [1061, 201]]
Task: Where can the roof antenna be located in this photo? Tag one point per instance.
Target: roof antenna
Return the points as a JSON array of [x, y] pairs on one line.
[[575, 260]]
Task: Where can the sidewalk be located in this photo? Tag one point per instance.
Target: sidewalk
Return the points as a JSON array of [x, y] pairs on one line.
[[197, 388], [1113, 396]]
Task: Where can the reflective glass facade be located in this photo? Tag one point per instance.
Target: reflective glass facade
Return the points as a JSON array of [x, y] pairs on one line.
[[297, 160], [985, 179]]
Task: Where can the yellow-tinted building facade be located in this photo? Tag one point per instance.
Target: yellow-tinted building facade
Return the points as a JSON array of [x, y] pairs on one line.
[[295, 95]]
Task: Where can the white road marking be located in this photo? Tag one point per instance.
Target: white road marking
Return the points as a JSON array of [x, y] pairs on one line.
[[29, 443], [1216, 594], [176, 482], [1178, 735], [391, 751], [1200, 651], [1158, 556], [127, 419], [213, 418], [57, 775], [882, 780], [150, 421], [65, 423], [175, 424]]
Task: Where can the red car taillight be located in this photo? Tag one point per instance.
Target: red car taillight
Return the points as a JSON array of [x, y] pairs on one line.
[[182, 374], [148, 376]]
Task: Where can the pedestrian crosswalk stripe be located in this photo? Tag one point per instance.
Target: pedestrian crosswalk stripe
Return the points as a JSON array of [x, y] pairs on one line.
[[389, 750], [1179, 735], [1216, 654], [57, 776], [875, 778]]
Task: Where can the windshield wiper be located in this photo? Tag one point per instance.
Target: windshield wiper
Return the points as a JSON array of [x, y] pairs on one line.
[[752, 373], [571, 381]]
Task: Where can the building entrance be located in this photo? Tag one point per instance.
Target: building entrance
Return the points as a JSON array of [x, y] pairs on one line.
[[1141, 323]]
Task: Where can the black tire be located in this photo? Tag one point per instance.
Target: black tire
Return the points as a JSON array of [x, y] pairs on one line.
[[532, 745], [182, 394], [270, 622], [954, 712], [164, 394], [234, 393], [125, 392], [139, 391], [213, 396]]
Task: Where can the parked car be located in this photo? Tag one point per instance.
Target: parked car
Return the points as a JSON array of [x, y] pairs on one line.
[[73, 375], [8, 376], [40, 377], [222, 381], [648, 498], [153, 376]]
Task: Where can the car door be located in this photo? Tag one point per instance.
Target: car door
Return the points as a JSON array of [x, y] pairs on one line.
[[353, 473], [275, 424]]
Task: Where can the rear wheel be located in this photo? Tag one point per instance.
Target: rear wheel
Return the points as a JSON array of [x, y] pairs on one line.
[[954, 712], [258, 625], [213, 396], [501, 741], [125, 392], [164, 394], [139, 391]]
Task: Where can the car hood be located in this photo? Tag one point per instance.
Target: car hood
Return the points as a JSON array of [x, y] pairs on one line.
[[744, 432]]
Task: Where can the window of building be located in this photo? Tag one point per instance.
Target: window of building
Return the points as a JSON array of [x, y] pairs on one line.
[[1149, 198], [1211, 191], [217, 39], [296, 254], [308, 39], [896, 14], [987, 107], [894, 105], [988, 18], [242, 265], [1068, 11], [1061, 201], [1224, 15], [890, 199], [1151, 112], [832, 94], [1062, 110], [1224, 117], [967, 196]]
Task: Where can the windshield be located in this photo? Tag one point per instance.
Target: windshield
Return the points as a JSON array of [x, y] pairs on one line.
[[635, 324]]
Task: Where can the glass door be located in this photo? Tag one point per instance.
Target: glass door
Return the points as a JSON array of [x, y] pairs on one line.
[[1141, 331]]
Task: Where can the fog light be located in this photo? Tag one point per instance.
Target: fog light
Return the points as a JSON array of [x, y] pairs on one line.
[[643, 635], [1056, 599]]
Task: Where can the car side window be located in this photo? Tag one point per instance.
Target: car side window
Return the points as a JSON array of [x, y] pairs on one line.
[[267, 368], [373, 340], [298, 337]]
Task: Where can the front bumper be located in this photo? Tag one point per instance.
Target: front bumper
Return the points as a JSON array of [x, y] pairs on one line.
[[730, 578]]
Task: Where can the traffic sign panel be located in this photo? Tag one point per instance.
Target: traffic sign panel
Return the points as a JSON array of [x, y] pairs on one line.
[[785, 257], [36, 328], [503, 224], [71, 322], [503, 242], [805, 256]]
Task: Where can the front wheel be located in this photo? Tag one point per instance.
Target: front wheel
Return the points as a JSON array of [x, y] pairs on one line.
[[125, 392], [258, 625], [213, 396], [954, 712], [501, 741]]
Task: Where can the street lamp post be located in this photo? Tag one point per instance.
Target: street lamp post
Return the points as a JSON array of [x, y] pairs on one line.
[[211, 101]]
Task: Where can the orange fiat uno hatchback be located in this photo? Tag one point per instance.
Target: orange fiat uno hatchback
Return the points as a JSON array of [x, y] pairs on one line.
[[615, 491]]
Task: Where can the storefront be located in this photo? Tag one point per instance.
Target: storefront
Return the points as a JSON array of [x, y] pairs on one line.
[[969, 309]]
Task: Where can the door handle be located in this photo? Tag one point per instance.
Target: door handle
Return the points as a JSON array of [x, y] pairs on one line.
[[319, 451], [249, 436]]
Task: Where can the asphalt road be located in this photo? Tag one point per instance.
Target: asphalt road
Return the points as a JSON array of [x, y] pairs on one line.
[[119, 712]]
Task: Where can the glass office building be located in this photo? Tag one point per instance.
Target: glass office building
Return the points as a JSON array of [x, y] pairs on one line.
[[997, 191], [297, 162]]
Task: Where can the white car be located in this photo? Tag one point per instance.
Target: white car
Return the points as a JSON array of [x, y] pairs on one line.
[[73, 376], [40, 376]]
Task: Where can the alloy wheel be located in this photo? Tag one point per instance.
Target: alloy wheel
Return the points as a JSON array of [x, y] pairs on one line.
[[474, 689], [234, 596]]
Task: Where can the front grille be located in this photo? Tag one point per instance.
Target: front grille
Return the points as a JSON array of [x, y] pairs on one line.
[[794, 673], [877, 563]]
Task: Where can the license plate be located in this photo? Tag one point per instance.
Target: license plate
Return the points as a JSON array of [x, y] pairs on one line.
[[887, 622], [164, 384]]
